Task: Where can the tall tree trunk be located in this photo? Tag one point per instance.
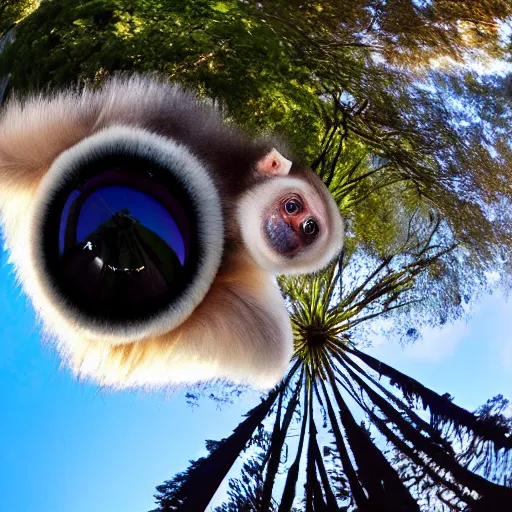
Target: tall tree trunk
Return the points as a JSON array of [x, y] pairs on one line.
[[420, 422], [330, 499], [381, 481], [207, 477], [355, 486], [442, 409], [437, 453], [314, 499], [293, 473], [277, 442]]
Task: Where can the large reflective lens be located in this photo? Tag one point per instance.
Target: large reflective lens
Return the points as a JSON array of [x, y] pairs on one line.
[[121, 239]]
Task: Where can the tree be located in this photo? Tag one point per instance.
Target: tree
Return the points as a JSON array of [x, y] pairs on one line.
[[406, 33], [389, 140], [453, 460], [212, 470], [383, 99], [12, 11]]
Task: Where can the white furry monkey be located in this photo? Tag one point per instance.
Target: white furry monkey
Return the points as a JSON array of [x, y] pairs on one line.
[[147, 233]]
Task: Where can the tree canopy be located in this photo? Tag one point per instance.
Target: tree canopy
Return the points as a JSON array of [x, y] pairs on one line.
[[12, 11]]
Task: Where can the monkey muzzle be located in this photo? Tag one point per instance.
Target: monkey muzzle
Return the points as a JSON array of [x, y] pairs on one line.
[[127, 234], [282, 236]]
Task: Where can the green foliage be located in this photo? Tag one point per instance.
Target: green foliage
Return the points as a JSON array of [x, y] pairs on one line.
[[12, 11], [407, 33], [357, 90], [221, 48], [382, 98]]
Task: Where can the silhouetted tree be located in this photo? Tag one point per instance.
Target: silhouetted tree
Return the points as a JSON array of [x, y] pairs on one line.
[[463, 458]]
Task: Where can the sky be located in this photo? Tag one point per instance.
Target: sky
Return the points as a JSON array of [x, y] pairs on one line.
[[471, 360], [102, 203], [70, 446]]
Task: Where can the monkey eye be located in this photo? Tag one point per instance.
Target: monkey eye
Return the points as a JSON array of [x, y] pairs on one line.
[[310, 227], [292, 206]]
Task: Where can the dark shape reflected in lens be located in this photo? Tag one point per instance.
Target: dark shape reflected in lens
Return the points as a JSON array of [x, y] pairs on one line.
[[125, 248], [121, 242], [115, 202]]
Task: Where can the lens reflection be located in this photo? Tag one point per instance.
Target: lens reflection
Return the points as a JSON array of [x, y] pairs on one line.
[[109, 203], [124, 244]]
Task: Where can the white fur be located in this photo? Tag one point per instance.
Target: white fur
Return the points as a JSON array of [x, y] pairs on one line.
[[246, 339], [240, 330], [49, 302], [327, 245]]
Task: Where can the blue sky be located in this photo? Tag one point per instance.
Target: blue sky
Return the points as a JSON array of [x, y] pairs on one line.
[[150, 213], [470, 360], [69, 446]]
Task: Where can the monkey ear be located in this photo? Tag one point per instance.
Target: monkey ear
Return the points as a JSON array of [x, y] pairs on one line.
[[274, 164]]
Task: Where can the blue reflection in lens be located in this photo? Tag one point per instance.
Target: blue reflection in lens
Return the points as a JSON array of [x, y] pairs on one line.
[[64, 219], [105, 202]]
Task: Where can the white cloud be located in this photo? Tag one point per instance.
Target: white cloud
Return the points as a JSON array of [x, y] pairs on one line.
[[490, 323], [437, 343], [499, 329]]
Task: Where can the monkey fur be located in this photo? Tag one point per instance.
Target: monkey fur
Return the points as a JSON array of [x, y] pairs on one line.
[[236, 326]]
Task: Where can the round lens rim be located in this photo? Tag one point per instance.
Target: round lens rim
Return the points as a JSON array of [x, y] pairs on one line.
[[174, 163], [132, 170]]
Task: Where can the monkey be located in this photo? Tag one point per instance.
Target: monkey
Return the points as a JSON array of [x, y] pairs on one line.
[[241, 213]]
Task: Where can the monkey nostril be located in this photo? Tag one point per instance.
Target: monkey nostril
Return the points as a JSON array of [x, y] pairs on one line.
[[310, 227]]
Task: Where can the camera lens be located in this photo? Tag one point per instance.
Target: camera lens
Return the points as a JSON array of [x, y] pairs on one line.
[[120, 238]]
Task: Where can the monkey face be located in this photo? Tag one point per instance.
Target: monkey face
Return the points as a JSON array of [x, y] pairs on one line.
[[125, 239], [291, 225]]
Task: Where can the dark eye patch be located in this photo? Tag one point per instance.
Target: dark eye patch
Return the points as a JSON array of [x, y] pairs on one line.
[[121, 239]]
